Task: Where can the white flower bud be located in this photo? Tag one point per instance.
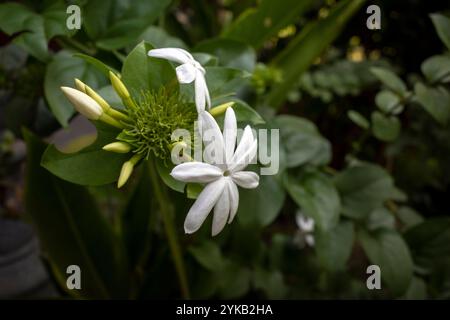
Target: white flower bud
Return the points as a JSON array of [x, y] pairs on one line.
[[83, 103]]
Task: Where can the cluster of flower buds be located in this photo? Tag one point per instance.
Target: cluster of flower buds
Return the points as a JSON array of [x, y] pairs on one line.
[[91, 105]]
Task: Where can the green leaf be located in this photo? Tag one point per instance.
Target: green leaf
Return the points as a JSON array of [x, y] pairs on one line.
[[37, 29], [363, 188], [301, 52], [110, 95], [358, 119], [255, 207], [116, 23], [409, 217], [102, 67], [137, 220], [244, 113], [390, 80], [164, 170], [385, 128], [270, 282], [231, 53], [417, 290], [160, 38], [333, 247], [388, 250], [223, 82], [430, 239], [73, 231], [234, 280], [442, 25], [90, 166], [256, 25], [388, 102], [62, 71], [437, 69], [436, 101], [208, 255], [302, 142], [141, 72], [316, 195], [380, 218]]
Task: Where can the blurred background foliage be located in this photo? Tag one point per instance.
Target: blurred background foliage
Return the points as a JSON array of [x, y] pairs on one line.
[[365, 151]]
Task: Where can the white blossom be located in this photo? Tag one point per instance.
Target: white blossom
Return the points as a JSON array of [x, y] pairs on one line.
[[221, 173], [188, 71]]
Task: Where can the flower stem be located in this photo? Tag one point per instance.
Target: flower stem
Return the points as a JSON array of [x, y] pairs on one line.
[[166, 209]]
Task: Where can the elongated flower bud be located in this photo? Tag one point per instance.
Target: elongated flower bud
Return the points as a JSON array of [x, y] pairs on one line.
[[121, 90], [216, 111], [94, 95], [80, 85], [118, 147], [118, 85], [83, 103], [127, 170]]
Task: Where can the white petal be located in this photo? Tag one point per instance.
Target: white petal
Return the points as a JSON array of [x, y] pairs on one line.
[[243, 146], [229, 133], [234, 199], [212, 138], [309, 239], [221, 211], [304, 223], [201, 91], [203, 205], [246, 179], [186, 73], [241, 160], [172, 54], [198, 172]]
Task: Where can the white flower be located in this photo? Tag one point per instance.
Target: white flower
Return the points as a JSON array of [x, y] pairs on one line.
[[306, 226], [221, 173], [84, 104], [188, 71]]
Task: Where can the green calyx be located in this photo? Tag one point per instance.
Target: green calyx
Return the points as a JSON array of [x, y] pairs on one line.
[[152, 121]]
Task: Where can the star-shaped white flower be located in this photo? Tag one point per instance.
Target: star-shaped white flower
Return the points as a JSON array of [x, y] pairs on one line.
[[188, 71], [221, 173]]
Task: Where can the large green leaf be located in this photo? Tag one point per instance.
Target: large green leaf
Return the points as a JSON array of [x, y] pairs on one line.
[[255, 207], [90, 166], [442, 25], [390, 80], [316, 195], [72, 231], [389, 251], [363, 188], [334, 246], [256, 25], [307, 45], [244, 113], [430, 239], [436, 101], [62, 71], [231, 53], [115, 24], [143, 73], [37, 29], [208, 255], [437, 68], [302, 141], [101, 66]]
